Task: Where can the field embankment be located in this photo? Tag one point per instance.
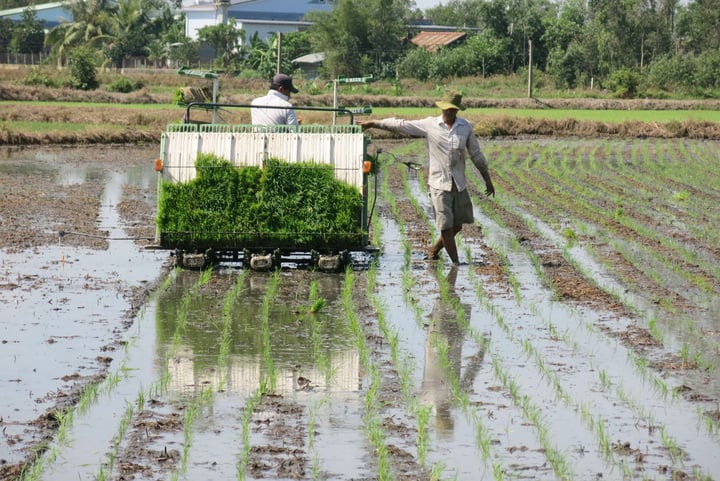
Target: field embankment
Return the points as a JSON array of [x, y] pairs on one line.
[[31, 115]]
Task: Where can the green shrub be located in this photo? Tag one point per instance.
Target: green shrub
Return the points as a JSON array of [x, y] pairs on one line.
[[178, 97], [38, 77], [707, 70], [124, 85], [82, 69], [670, 71], [624, 82]]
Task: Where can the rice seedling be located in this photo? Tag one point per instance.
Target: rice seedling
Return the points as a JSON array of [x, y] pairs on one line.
[[203, 398], [654, 330], [534, 415], [498, 471], [661, 385], [572, 202], [244, 456], [317, 306], [372, 423], [604, 380], [205, 276], [604, 441], [657, 276], [249, 199], [269, 378], [671, 445], [227, 323], [423, 415], [584, 409], [117, 439]]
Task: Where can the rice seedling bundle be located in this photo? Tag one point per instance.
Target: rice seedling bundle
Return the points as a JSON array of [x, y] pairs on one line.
[[292, 205]]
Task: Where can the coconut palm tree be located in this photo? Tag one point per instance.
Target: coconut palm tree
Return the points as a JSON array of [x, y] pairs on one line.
[[129, 30], [89, 25]]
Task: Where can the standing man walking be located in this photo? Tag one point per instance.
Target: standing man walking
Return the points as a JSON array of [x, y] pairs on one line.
[[449, 139], [278, 99]]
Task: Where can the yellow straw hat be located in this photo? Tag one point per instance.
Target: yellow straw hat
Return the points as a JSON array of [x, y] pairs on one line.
[[453, 100]]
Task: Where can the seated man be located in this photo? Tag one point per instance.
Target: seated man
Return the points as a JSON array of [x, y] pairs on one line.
[[278, 99]]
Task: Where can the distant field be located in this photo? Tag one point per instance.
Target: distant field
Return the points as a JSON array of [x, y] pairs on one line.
[[595, 115], [29, 122]]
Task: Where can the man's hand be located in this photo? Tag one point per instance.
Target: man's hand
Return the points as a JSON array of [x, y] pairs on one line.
[[489, 188], [368, 124]]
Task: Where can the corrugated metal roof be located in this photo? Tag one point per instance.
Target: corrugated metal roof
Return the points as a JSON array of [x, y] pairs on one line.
[[431, 41], [311, 58]]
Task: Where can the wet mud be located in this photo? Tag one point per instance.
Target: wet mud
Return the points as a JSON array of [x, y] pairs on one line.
[[538, 358]]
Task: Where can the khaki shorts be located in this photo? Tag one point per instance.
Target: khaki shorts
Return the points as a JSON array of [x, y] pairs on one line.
[[452, 208]]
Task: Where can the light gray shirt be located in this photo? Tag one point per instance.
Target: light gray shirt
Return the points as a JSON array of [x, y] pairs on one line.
[[275, 116], [447, 148]]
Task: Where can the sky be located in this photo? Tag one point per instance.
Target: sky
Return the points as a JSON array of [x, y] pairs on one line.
[[425, 4]]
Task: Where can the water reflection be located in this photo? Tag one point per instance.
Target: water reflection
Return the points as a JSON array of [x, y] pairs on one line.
[[306, 351], [443, 356]]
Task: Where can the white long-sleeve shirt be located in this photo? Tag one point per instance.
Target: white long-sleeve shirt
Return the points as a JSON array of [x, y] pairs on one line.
[[274, 116], [447, 148]]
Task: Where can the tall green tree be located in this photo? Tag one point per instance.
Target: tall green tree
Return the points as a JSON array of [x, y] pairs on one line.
[[133, 27], [7, 4], [698, 26], [185, 52], [564, 37], [90, 26], [526, 25], [481, 55], [6, 30], [173, 45], [225, 39], [457, 13], [28, 35], [387, 27], [360, 37], [515, 23], [294, 45]]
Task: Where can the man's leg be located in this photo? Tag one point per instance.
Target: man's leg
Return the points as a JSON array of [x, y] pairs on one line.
[[446, 240], [434, 251]]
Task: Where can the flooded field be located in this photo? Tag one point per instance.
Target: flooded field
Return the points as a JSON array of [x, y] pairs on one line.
[[580, 339]]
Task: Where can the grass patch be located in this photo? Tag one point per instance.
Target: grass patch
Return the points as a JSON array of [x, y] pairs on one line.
[[52, 126]]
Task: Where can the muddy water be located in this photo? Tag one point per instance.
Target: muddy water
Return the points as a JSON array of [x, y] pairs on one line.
[[515, 383], [64, 308]]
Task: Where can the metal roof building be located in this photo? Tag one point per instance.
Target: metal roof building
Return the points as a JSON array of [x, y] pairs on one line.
[[49, 13], [432, 41], [265, 17]]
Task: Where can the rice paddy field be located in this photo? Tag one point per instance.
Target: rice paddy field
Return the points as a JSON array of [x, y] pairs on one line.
[[579, 339]]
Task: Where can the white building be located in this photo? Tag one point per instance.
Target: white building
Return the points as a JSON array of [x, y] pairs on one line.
[[265, 17]]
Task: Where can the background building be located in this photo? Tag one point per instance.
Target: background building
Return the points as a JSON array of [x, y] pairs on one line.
[[262, 16]]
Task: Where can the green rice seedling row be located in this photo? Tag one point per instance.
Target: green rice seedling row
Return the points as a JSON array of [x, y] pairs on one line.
[[577, 340]]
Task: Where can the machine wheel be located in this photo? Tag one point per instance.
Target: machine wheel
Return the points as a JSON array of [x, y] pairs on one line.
[[330, 262], [314, 257], [276, 259], [179, 253], [346, 259]]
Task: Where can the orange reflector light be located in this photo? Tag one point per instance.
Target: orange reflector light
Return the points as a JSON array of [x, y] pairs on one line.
[[158, 165], [367, 167]]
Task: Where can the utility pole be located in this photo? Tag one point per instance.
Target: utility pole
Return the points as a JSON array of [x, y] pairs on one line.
[[530, 70], [279, 52]]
